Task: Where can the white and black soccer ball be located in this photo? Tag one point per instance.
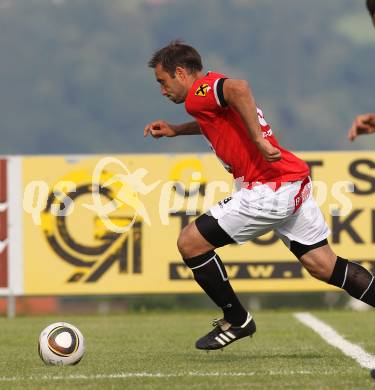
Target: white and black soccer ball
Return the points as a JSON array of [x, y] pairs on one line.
[[61, 344]]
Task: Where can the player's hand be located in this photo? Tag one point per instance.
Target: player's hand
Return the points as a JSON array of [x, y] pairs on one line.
[[159, 129], [269, 152], [363, 124]]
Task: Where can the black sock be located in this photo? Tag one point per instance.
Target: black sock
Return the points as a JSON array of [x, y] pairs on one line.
[[210, 274], [355, 279]]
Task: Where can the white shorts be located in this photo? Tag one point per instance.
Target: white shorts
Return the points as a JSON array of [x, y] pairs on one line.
[[250, 213]]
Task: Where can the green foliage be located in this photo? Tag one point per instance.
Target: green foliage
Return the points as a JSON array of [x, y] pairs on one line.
[[74, 75]]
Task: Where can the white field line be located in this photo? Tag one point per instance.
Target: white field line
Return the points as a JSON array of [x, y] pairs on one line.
[[328, 334], [126, 375]]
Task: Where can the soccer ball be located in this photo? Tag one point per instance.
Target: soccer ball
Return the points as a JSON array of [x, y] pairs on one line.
[[61, 344]]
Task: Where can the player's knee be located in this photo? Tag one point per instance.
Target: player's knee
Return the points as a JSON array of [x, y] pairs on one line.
[[181, 243], [190, 242], [184, 243]]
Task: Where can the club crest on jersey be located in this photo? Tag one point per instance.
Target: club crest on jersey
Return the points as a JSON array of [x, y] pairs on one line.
[[202, 90]]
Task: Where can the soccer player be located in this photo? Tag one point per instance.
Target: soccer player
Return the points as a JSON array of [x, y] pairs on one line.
[[365, 123], [276, 194]]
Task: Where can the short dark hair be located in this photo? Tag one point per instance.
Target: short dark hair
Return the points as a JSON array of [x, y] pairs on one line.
[[371, 6], [175, 54]]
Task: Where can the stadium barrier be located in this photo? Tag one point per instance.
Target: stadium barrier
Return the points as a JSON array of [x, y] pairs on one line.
[[91, 225]]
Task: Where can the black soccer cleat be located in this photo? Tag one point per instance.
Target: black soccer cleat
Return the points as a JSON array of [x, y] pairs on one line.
[[225, 334]]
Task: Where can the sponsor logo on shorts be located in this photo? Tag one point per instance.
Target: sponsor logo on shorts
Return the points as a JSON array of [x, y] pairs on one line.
[[223, 202], [303, 194]]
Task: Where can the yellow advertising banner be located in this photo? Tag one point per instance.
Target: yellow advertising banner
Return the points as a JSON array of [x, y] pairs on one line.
[[109, 224]]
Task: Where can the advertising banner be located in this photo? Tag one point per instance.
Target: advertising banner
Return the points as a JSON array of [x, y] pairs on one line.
[[109, 224]]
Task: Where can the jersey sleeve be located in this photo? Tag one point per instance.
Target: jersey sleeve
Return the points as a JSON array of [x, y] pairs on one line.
[[219, 93], [207, 97]]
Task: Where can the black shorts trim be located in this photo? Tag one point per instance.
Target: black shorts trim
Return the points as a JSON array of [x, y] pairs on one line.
[[299, 249], [210, 229]]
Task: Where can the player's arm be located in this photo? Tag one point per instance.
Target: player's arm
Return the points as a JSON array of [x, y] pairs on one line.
[[363, 124], [160, 128], [237, 94]]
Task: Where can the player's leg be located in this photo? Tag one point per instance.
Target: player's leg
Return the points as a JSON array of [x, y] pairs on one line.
[[325, 265], [208, 270], [243, 216], [196, 244], [319, 259], [305, 233]]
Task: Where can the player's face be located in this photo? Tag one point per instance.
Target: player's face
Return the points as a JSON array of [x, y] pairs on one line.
[[173, 88]]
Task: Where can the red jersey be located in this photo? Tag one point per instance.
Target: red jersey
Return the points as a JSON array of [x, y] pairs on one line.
[[229, 138]]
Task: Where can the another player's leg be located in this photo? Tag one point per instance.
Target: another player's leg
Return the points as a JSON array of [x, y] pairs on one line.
[[209, 272], [324, 264]]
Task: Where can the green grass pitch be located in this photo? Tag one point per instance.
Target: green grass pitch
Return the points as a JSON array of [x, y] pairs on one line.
[[156, 351]]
